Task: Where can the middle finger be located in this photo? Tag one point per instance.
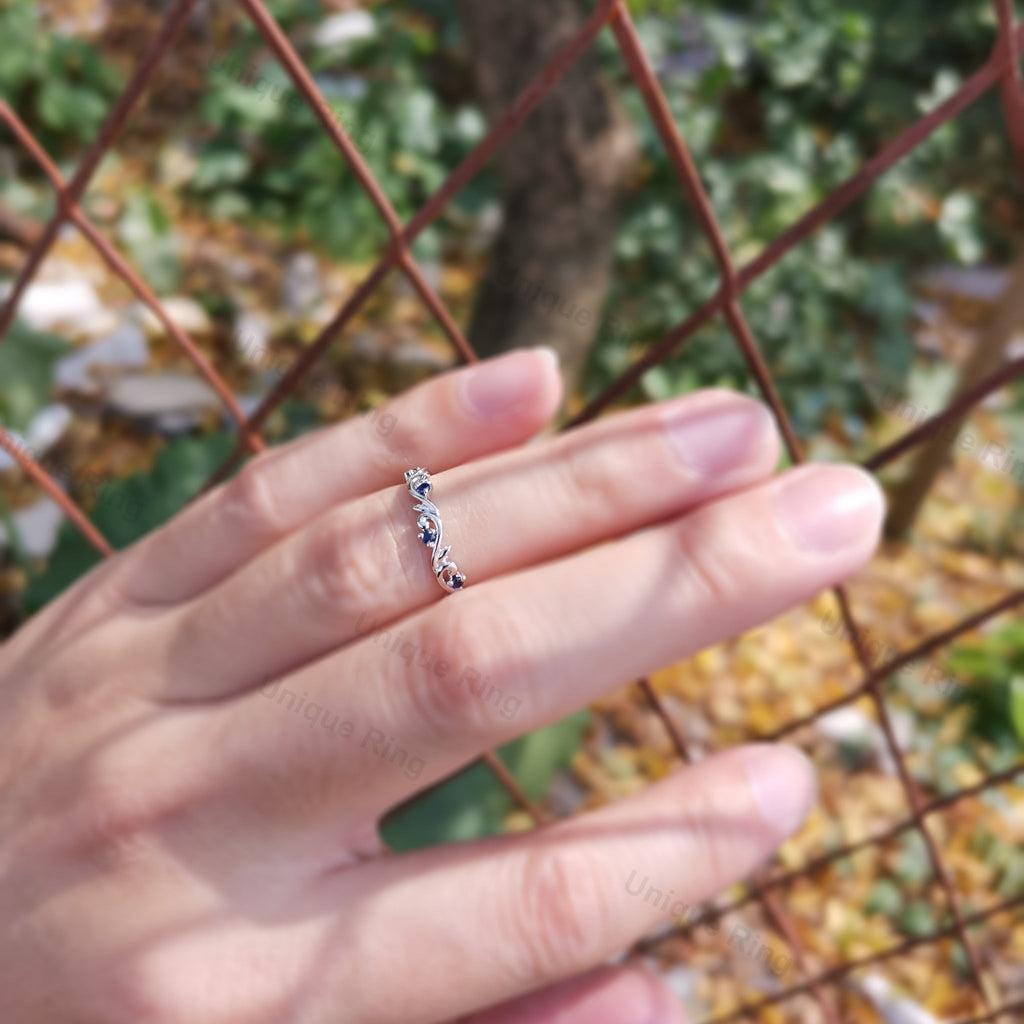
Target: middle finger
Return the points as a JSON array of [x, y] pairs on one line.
[[361, 566]]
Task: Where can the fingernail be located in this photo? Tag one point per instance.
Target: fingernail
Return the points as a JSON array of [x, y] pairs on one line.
[[824, 508], [504, 384], [724, 436], [783, 783]]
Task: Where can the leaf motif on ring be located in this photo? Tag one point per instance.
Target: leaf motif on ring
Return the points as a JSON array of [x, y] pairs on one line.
[[428, 523]]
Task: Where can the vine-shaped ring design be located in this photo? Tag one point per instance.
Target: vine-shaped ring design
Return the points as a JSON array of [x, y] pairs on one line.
[[429, 526]]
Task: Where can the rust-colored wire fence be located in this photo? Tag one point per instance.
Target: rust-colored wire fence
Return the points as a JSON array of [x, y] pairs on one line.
[[1000, 72]]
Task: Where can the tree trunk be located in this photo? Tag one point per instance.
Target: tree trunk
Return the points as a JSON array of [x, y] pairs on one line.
[[561, 175], [987, 357]]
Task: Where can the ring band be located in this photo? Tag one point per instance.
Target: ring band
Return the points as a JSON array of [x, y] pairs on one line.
[[429, 525]]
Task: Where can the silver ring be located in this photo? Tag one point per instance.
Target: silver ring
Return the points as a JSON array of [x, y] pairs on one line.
[[429, 525]]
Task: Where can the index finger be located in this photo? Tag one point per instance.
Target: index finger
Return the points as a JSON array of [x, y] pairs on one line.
[[446, 421]]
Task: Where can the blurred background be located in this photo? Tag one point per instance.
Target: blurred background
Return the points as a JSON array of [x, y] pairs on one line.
[[227, 197]]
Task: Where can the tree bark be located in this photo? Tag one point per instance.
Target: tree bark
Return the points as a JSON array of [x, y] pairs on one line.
[[561, 176], [986, 358]]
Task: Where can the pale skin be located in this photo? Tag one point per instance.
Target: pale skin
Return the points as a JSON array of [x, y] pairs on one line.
[[175, 846]]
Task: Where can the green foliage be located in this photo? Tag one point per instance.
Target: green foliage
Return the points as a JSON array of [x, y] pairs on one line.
[[1001, 853], [129, 508], [147, 235], [993, 670], [267, 156], [918, 918], [473, 804], [62, 86], [26, 373], [913, 865], [780, 102], [885, 898], [1017, 705]]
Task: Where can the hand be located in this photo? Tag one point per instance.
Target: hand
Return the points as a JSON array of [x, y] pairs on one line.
[[198, 739]]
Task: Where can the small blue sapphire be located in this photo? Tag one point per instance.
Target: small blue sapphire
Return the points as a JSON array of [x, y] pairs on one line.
[[422, 488], [428, 536], [456, 582]]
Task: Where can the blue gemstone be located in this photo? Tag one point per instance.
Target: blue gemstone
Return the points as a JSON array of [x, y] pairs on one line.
[[422, 488], [428, 536], [456, 582]]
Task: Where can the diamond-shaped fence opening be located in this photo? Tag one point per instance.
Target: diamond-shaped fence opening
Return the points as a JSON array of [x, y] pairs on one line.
[[810, 987]]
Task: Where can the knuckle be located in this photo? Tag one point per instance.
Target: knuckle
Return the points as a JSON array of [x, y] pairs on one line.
[[119, 820], [400, 427], [398, 539], [559, 920], [395, 449], [215, 614], [123, 812], [459, 700], [593, 479], [343, 564], [250, 504], [702, 571], [343, 570], [707, 841], [382, 457]]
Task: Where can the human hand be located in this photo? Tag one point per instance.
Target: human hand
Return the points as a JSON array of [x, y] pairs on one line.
[[182, 840]]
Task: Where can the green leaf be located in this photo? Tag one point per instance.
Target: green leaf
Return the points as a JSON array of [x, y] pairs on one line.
[[465, 806], [918, 919], [993, 670], [913, 866], [219, 166], [535, 758], [885, 898], [144, 230], [53, 102], [1017, 705], [472, 803], [26, 373], [418, 122], [23, 44], [960, 226], [128, 509]]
